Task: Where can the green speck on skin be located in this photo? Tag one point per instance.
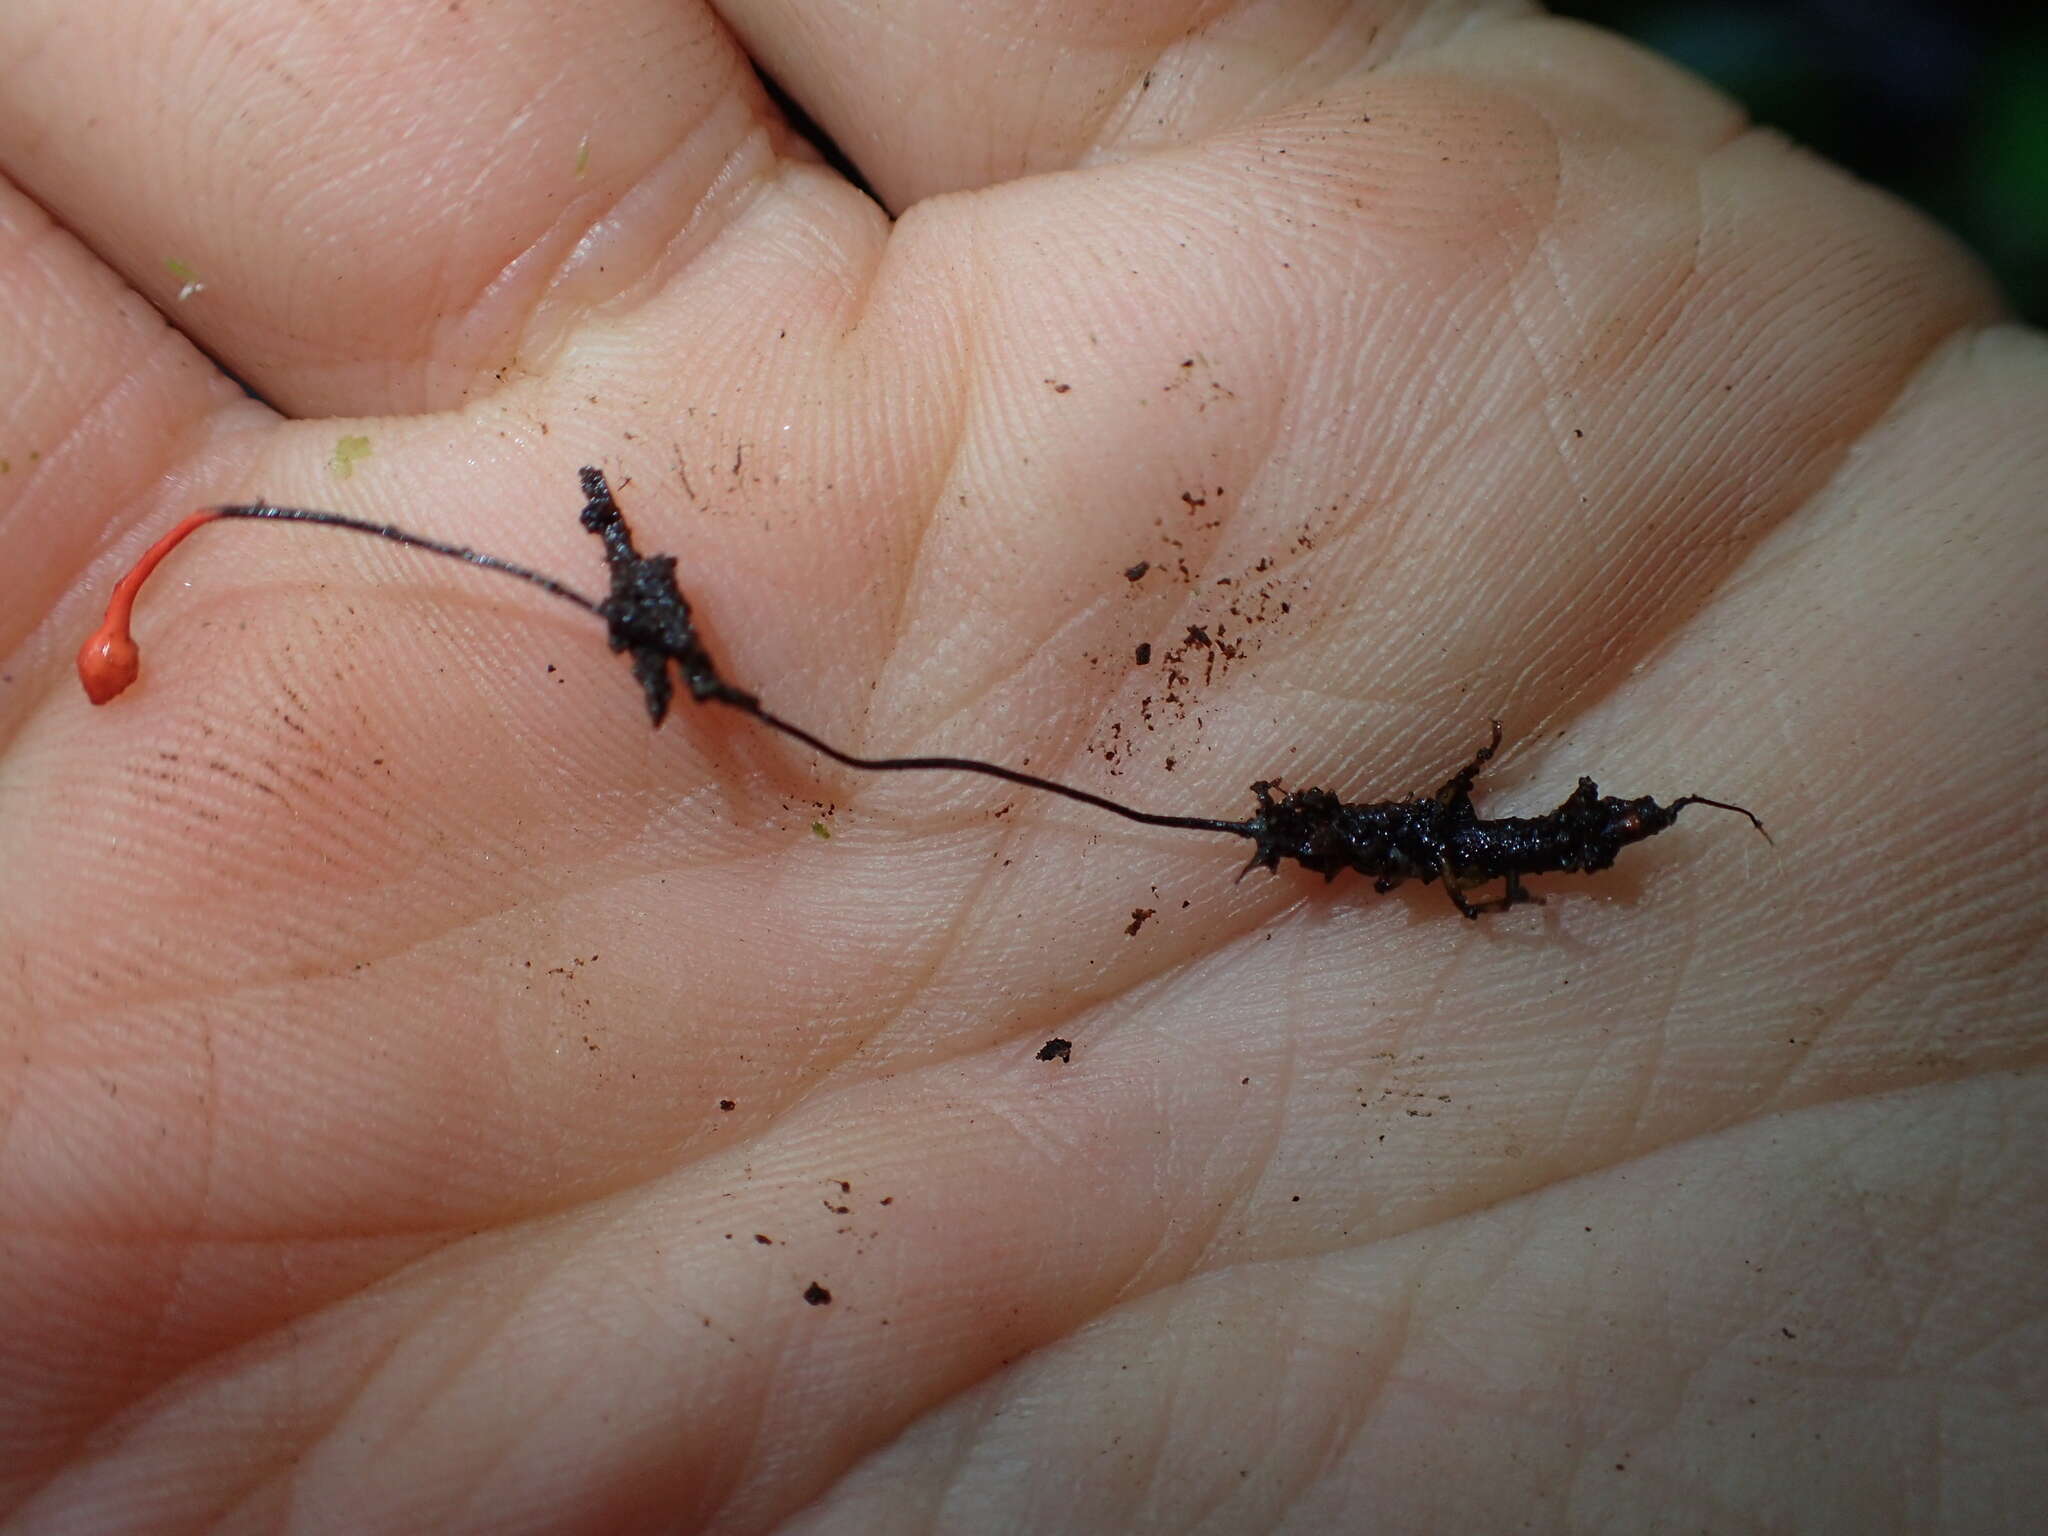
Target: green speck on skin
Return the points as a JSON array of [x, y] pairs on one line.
[[5, 466], [583, 155], [188, 280], [347, 451], [821, 830]]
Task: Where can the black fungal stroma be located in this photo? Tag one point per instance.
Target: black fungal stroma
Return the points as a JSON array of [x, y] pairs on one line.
[[1439, 837], [1442, 837]]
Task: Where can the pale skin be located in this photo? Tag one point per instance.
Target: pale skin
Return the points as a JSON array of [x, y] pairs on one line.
[[374, 982]]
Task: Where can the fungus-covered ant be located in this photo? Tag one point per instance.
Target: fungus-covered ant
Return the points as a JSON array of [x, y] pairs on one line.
[[1438, 837]]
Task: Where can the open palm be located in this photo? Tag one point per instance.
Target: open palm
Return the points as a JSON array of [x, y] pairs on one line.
[[433, 1100]]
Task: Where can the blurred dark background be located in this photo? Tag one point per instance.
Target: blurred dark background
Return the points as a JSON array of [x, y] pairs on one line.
[[1945, 105]]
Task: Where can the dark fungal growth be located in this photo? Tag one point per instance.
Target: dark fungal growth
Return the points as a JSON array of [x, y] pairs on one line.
[[646, 615], [1442, 837], [1439, 837]]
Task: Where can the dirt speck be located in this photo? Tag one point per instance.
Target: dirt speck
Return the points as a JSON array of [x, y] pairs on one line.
[[1056, 1050]]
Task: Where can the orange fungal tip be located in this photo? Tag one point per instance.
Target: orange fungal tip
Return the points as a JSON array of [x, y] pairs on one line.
[[109, 661]]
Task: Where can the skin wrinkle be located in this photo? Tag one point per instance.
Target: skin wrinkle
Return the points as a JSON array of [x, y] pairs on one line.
[[1170, 1374], [1747, 570], [470, 1506], [1580, 1102], [821, 1083], [1310, 70], [212, 1242], [1587, 1175], [1198, 1235], [482, 1334], [535, 346], [1890, 1292], [223, 989], [1016, 664], [1333, 1433], [110, 390], [25, 238], [722, 85], [1057, 1015], [911, 1414], [501, 904], [932, 968], [1397, 1319], [1188, 608], [275, 1478], [916, 591], [1102, 143], [101, 1427], [203, 1196], [1195, 1232], [528, 355], [1400, 1318], [961, 1451], [1822, 465], [739, 203], [1646, 1048], [1395, 1049], [277, 1234], [741, 1481], [1653, 1027], [902, 595], [1257, 1163], [284, 1465], [1192, 53], [822, 1070], [1814, 1036], [1356, 1420], [1909, 1315]]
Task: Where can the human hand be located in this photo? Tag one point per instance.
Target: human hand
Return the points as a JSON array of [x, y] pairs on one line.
[[432, 1098]]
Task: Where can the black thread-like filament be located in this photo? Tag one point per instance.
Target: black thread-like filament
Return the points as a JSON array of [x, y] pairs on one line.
[[1438, 837]]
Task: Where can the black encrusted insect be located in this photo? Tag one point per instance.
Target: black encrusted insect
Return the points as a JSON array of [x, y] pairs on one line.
[[1442, 837], [1439, 837]]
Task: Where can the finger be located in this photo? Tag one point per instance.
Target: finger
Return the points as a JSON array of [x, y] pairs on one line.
[[377, 209], [924, 101]]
